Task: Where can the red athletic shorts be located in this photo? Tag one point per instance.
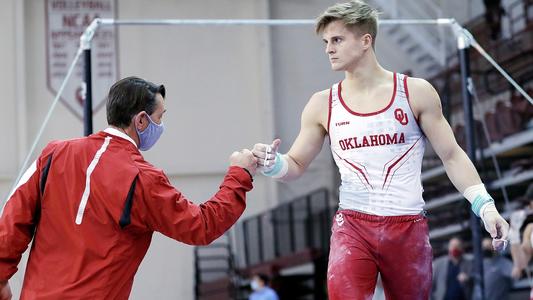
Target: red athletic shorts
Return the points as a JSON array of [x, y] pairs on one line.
[[397, 247]]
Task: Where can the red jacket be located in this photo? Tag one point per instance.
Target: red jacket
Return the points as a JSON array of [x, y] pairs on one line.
[[128, 199]]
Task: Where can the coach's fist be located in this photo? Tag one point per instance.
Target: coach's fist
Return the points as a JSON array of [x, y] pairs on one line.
[[244, 159], [5, 291]]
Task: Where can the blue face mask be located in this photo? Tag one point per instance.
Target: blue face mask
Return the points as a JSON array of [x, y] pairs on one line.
[[149, 136], [254, 285]]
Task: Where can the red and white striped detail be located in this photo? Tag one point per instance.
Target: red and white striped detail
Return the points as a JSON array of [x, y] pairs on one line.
[[361, 172], [25, 177], [90, 169], [394, 166]]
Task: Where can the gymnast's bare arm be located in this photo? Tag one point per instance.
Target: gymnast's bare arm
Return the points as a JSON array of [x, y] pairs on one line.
[[309, 141], [426, 106]]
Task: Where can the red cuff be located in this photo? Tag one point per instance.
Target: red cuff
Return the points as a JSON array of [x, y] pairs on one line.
[[242, 175]]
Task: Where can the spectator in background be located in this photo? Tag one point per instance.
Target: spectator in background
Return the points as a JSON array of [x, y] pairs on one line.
[[497, 273], [261, 290], [522, 248], [493, 15], [451, 274]]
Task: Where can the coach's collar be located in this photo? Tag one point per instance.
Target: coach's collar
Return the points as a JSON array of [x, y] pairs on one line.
[[120, 134]]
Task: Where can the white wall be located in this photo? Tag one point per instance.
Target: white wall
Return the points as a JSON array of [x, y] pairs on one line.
[[9, 157], [10, 16]]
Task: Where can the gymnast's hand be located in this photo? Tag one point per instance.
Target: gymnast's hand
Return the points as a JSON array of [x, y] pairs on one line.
[[244, 159], [497, 227], [266, 155]]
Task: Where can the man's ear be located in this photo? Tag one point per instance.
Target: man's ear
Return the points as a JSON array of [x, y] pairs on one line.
[[367, 40], [140, 120]]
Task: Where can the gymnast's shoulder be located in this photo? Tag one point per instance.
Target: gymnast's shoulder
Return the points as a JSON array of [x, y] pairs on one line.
[[421, 94], [318, 103], [320, 98], [419, 86]]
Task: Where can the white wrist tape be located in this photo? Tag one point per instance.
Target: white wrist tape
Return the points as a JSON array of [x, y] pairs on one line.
[[265, 160], [480, 199], [280, 168]]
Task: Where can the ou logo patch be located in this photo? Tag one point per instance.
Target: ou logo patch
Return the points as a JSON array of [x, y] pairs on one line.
[[401, 116], [340, 219]]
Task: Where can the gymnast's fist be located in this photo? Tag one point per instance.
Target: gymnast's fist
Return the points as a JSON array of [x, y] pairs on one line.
[[266, 155], [244, 159]]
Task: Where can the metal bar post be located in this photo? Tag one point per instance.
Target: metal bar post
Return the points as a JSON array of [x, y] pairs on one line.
[[464, 59], [85, 44], [88, 101]]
